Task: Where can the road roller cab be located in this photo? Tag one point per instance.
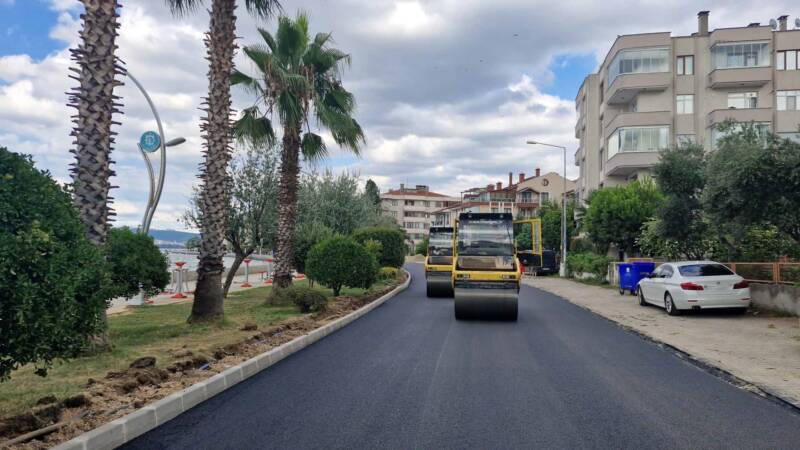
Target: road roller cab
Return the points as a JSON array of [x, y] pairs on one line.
[[439, 262], [486, 271]]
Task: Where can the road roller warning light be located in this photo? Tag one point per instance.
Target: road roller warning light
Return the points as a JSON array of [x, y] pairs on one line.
[[439, 262], [486, 272]]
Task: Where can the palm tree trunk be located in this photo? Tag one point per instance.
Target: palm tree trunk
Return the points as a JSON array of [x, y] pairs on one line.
[[287, 207], [96, 104], [94, 101], [216, 127]]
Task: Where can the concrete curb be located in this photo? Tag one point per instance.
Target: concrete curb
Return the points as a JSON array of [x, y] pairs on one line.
[[126, 428], [754, 388]]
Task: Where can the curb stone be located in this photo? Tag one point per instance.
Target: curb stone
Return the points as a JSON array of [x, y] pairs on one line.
[[124, 429], [706, 366]]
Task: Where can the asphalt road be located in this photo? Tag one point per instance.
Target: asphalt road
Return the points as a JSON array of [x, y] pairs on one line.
[[407, 375]]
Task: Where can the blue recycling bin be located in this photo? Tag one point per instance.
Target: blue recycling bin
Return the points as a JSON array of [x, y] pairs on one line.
[[631, 273]]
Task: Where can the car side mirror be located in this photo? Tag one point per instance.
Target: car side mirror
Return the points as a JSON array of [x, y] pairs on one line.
[[651, 275]]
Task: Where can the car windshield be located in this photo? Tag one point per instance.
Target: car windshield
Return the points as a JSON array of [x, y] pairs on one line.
[[440, 243], [485, 238], [704, 270]]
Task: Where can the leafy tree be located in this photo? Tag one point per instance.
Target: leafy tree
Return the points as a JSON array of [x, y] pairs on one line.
[[55, 284], [135, 263], [615, 215], [752, 180], [335, 202], [550, 214], [341, 261], [252, 210], [95, 103], [681, 226], [373, 193], [216, 128], [393, 247], [523, 237], [765, 243], [652, 241], [298, 77], [308, 235], [422, 246], [193, 243]]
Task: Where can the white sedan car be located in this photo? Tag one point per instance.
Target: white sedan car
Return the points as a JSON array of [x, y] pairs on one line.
[[694, 285]]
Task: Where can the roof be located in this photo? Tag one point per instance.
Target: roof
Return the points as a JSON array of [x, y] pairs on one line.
[[415, 192]]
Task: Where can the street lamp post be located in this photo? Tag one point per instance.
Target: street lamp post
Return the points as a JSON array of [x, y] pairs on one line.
[[562, 270]]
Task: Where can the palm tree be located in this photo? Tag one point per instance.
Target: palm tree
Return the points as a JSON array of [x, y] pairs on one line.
[[297, 77], [216, 128], [94, 100]]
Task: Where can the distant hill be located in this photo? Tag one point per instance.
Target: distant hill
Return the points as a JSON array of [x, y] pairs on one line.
[[171, 238]]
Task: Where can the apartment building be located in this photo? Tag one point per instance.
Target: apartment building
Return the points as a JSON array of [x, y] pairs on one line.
[[655, 90], [521, 198], [413, 208]]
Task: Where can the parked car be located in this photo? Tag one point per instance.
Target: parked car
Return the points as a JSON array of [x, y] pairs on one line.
[[694, 285]]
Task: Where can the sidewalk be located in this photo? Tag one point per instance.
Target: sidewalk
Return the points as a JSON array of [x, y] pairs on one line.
[[120, 305], [762, 349]]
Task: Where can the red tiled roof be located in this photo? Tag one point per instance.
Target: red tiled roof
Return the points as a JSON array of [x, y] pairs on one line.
[[413, 192]]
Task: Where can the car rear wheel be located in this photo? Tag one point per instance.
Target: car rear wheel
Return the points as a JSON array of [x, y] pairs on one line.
[[642, 301], [669, 305]]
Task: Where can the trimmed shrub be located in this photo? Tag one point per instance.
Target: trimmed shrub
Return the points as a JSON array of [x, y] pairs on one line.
[[592, 263], [341, 261], [374, 248], [393, 247], [135, 262], [54, 283], [388, 273], [306, 236], [306, 299]]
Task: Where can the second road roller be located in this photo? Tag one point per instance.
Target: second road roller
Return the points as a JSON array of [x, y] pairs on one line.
[[439, 262], [486, 271]]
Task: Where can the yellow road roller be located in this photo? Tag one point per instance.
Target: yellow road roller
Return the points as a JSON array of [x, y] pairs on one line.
[[439, 262], [486, 271]]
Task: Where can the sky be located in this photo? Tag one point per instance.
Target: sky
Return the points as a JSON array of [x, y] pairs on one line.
[[448, 91]]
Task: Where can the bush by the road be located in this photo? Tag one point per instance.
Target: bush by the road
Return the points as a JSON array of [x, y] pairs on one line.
[[592, 263], [422, 246], [306, 299], [306, 236], [393, 247], [135, 262], [388, 273], [54, 283], [341, 261]]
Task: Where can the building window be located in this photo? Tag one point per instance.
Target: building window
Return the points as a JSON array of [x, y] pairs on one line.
[[794, 137], [685, 65], [507, 210], [685, 104], [638, 139], [743, 54], [409, 203], [685, 139], [742, 100], [787, 100], [602, 160], [394, 202], [393, 214], [438, 204], [526, 197], [544, 197], [426, 204], [646, 60], [787, 60], [761, 127], [494, 210]]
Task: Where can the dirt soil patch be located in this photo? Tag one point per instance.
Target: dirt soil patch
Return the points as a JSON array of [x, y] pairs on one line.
[[759, 348], [121, 392]]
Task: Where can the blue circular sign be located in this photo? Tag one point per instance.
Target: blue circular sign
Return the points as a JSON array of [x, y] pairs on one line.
[[150, 141]]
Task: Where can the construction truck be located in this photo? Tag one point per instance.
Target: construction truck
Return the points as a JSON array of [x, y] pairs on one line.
[[486, 271], [439, 262]]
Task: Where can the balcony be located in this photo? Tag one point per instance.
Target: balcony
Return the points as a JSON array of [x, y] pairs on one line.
[[625, 163], [578, 157], [627, 86], [579, 126], [739, 77], [740, 115], [636, 119]]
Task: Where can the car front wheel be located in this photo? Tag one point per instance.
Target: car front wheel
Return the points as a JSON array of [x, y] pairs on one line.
[[642, 301], [669, 305]]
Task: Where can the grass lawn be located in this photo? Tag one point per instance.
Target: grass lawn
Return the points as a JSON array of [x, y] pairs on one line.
[[150, 331]]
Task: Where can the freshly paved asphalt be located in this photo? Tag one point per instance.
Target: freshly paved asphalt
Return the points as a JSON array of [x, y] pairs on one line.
[[407, 375]]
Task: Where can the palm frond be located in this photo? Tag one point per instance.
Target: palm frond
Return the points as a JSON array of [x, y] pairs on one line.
[[263, 9], [313, 147], [250, 84], [259, 57], [346, 130], [292, 41], [254, 128], [267, 36], [290, 109], [182, 8]]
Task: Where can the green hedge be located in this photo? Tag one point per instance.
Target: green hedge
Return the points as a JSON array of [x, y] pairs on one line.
[[341, 261], [393, 247], [586, 262]]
